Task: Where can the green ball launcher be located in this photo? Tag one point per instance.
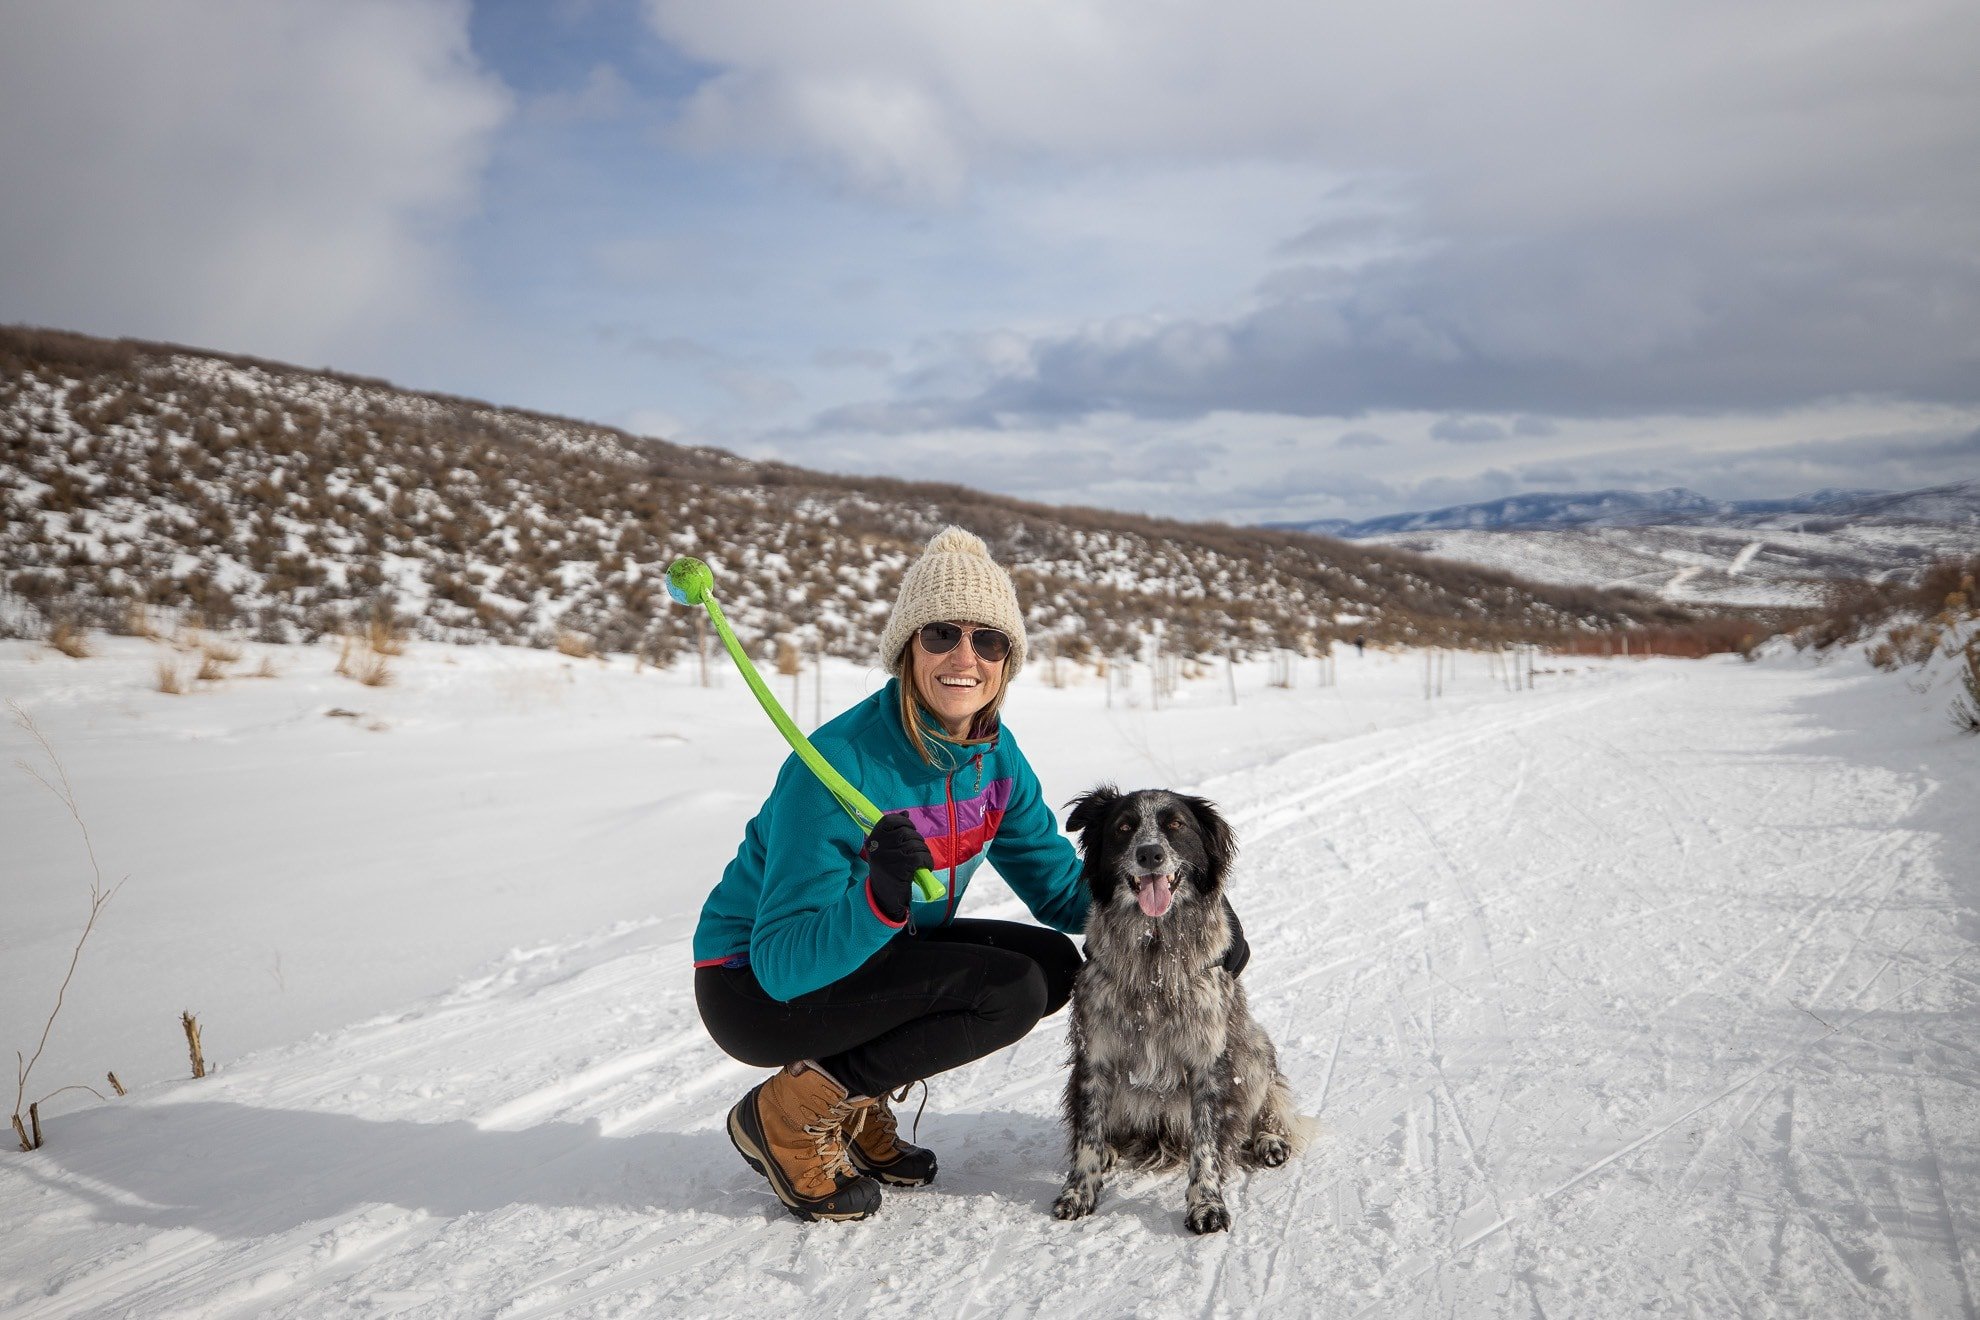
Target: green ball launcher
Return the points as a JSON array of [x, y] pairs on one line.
[[691, 582]]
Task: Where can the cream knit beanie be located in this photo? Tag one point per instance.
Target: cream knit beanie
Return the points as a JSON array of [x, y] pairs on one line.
[[954, 579]]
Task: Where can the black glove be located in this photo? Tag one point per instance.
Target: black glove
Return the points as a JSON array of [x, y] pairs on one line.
[[1239, 953], [894, 852]]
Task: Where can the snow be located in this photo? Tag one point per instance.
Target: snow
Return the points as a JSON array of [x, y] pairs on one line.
[[1653, 989]]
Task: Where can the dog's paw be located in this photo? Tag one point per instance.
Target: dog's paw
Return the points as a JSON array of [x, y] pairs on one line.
[[1270, 1150], [1073, 1203], [1209, 1217]]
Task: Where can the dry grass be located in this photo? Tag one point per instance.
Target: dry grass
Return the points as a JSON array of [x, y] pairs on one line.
[[789, 659], [69, 640], [575, 645], [384, 636], [266, 669], [169, 679], [1906, 644], [137, 622], [373, 671], [358, 660], [210, 670], [225, 653], [1966, 707]]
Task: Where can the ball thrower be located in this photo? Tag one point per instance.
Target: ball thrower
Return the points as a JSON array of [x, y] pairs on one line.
[[691, 582]]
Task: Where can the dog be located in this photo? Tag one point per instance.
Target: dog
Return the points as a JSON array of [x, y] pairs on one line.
[[1168, 1066]]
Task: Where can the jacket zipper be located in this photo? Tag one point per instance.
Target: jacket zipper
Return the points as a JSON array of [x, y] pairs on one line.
[[949, 792]]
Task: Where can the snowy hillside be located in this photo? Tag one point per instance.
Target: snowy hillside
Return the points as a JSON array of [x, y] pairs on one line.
[[293, 504], [1651, 990]]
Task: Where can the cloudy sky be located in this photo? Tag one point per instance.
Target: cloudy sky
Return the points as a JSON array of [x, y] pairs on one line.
[[1248, 260]]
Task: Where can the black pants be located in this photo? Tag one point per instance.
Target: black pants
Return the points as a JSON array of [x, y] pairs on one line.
[[925, 1003]]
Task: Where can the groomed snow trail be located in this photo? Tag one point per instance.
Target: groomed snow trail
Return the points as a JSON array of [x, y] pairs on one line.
[[1633, 996]]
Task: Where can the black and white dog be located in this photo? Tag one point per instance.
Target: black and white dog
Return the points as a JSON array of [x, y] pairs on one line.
[[1167, 1064]]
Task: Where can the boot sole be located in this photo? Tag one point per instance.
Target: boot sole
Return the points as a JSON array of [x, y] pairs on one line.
[[750, 1145], [875, 1171]]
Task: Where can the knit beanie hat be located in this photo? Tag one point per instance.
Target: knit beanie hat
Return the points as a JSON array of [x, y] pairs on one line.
[[955, 578]]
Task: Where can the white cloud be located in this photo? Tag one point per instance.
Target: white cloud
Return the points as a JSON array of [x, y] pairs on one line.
[[1538, 207], [274, 177]]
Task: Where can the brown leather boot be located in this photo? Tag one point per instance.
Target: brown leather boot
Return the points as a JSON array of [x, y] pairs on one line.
[[873, 1142], [789, 1129]]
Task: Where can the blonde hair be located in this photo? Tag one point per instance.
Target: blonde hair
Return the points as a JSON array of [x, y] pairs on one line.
[[913, 708]]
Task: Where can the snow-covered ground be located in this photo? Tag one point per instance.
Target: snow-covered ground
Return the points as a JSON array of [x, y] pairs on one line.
[[1654, 989]]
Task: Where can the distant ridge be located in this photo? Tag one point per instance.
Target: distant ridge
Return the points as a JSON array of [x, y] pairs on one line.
[[1955, 503]]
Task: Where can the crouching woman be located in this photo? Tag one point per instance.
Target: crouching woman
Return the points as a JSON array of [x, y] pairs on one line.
[[813, 954]]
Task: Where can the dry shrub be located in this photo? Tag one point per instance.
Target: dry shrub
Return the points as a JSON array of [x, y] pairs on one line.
[[374, 671], [1966, 706], [266, 669], [789, 660], [137, 622], [1691, 641], [220, 652], [169, 679], [69, 640], [357, 659], [384, 636], [575, 645], [210, 669], [1906, 644]]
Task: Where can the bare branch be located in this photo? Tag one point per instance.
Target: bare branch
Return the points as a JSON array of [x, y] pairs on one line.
[[98, 898]]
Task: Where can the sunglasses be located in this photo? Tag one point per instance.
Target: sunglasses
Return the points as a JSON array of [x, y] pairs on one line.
[[990, 644]]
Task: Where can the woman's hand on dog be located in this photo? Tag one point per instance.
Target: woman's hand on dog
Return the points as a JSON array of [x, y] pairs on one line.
[[894, 852]]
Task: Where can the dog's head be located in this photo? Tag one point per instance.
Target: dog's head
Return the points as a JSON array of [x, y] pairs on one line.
[[1151, 848]]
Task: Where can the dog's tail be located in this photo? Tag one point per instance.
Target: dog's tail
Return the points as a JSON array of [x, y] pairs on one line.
[[1301, 1129]]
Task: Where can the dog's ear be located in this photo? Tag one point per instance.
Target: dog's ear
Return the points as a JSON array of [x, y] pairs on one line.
[[1218, 841], [1090, 809]]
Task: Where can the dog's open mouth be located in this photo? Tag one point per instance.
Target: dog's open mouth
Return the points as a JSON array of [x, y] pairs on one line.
[[1154, 892]]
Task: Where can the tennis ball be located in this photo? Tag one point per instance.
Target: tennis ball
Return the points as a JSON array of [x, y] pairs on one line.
[[689, 581]]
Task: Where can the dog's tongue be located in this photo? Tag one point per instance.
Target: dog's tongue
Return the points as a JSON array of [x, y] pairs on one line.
[[1155, 895]]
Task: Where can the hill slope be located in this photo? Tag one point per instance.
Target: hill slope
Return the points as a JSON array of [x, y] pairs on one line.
[[293, 503]]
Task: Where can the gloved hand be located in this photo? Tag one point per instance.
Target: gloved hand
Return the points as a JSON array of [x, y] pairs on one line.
[[1239, 953], [894, 852]]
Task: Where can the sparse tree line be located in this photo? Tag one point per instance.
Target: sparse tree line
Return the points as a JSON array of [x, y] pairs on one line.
[[232, 494]]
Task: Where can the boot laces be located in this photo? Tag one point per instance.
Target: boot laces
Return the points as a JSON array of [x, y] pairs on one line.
[[889, 1125], [828, 1136]]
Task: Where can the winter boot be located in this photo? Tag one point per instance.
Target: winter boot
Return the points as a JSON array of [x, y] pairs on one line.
[[789, 1129], [873, 1142]]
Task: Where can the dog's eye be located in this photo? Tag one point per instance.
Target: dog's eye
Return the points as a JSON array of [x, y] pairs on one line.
[[1124, 826], [1172, 824]]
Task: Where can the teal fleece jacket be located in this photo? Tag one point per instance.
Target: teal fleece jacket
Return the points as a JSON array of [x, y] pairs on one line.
[[794, 904]]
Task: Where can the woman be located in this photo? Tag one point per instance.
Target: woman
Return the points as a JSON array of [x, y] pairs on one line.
[[813, 954]]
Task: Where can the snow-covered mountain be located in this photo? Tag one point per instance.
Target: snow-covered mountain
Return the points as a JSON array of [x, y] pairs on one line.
[[291, 503], [1957, 504], [1684, 546]]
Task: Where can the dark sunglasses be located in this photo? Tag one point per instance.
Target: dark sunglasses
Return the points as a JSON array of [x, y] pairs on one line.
[[989, 643]]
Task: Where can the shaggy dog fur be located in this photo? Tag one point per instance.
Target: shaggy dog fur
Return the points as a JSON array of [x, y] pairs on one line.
[[1167, 1064]]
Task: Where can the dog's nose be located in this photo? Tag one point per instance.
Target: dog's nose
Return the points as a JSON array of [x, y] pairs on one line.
[[1149, 857]]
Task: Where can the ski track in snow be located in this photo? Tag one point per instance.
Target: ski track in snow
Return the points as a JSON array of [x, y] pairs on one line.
[[1617, 998]]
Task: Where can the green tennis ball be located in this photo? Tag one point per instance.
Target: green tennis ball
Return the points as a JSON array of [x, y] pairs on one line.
[[689, 581]]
